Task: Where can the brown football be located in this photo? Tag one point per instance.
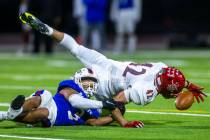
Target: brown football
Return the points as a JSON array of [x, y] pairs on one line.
[[184, 100]]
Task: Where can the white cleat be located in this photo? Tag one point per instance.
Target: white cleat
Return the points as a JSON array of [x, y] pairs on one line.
[[3, 116]]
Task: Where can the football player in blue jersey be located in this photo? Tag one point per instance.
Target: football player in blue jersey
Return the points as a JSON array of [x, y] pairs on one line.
[[59, 110]]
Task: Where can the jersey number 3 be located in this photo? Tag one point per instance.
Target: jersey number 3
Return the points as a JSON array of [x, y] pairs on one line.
[[134, 72]]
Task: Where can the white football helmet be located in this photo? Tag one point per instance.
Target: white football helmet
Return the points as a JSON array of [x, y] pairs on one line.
[[87, 80]]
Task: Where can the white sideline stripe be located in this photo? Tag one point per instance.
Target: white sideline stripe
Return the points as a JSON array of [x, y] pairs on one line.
[[158, 113], [169, 113], [24, 87], [176, 63], [4, 104], [33, 77], [30, 138]]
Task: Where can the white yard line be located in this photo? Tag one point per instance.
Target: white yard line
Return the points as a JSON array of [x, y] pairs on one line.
[[19, 87], [175, 54], [146, 112], [22, 76], [30, 138], [176, 63], [168, 113], [4, 104]]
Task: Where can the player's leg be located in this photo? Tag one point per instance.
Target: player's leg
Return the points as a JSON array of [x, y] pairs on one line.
[[41, 27], [87, 56], [16, 108], [19, 106], [40, 105], [3, 116], [33, 116], [26, 113], [31, 103]]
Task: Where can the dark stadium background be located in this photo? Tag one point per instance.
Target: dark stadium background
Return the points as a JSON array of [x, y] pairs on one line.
[[188, 17]]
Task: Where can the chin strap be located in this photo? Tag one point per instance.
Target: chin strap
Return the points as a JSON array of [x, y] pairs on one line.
[[196, 90]]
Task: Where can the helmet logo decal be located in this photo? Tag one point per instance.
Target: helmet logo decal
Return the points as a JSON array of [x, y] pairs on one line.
[[90, 71]]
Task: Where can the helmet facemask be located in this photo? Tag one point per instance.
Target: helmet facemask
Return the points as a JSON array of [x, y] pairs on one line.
[[87, 81]]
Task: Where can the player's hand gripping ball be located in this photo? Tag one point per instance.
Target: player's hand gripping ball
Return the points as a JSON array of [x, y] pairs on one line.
[[184, 100]]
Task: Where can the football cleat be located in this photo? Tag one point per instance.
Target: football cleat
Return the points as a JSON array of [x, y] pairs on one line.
[[34, 22], [18, 102], [3, 116], [16, 108]]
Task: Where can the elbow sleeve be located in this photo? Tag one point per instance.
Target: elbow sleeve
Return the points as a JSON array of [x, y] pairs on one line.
[[78, 101]]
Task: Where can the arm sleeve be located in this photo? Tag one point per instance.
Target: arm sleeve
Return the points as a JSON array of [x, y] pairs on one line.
[[87, 56], [78, 101]]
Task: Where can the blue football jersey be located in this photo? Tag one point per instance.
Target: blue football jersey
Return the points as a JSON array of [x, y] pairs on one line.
[[68, 115]]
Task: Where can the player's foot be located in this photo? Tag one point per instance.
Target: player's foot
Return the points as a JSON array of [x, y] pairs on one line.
[[3, 116], [34, 22], [17, 103], [16, 108]]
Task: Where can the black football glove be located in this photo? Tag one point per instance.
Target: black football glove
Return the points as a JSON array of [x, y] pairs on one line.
[[121, 107], [109, 104]]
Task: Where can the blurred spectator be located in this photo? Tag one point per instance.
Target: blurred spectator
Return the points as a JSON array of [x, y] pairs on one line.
[[79, 11], [125, 14], [49, 11], [95, 17], [25, 29]]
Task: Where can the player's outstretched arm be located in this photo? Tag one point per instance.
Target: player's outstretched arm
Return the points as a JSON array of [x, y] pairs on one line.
[[196, 90], [116, 114], [100, 121], [87, 56], [80, 102]]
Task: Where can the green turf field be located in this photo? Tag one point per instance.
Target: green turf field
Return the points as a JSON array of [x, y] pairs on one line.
[[24, 75]]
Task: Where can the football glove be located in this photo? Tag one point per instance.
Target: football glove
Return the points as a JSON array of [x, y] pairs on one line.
[[121, 107], [134, 124], [109, 104], [197, 91]]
